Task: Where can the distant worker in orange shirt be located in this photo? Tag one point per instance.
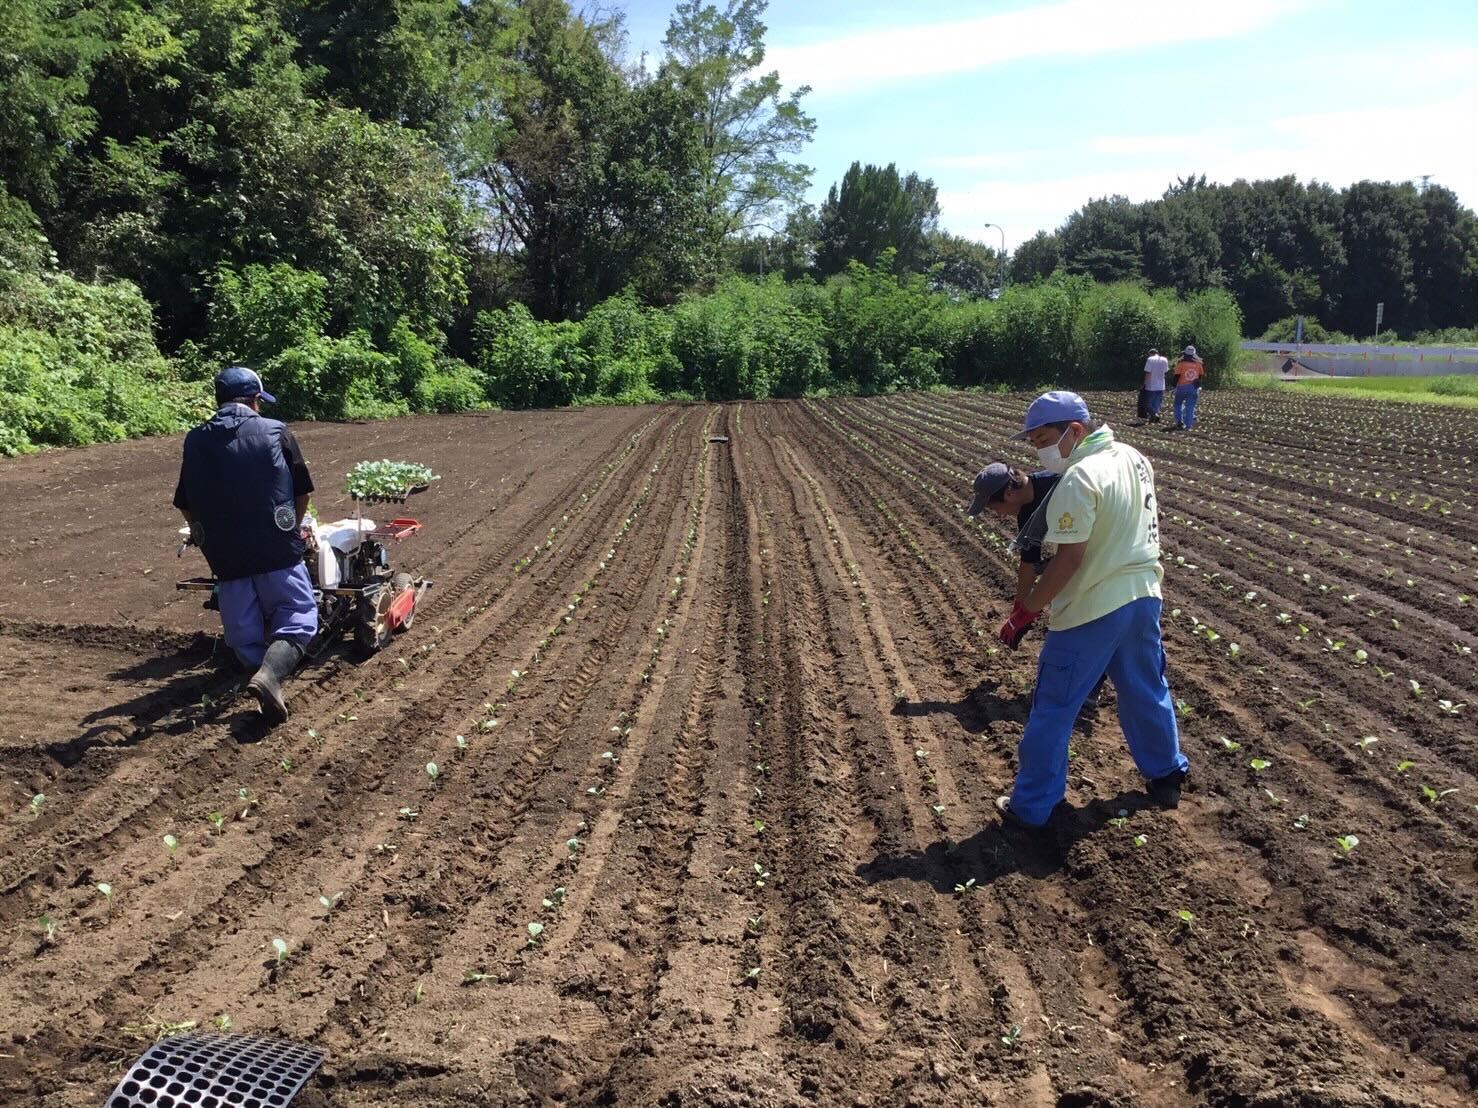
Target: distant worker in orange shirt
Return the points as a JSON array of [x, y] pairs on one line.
[[1189, 373]]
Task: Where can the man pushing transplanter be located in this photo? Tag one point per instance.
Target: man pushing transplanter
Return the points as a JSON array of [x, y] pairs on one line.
[[1103, 586]]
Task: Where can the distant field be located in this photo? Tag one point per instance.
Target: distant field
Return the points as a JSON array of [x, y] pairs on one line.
[[1454, 390]]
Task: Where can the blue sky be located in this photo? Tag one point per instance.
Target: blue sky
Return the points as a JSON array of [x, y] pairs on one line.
[[1020, 112]]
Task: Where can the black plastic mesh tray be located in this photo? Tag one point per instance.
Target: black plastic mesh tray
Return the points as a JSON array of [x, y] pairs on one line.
[[205, 1070]]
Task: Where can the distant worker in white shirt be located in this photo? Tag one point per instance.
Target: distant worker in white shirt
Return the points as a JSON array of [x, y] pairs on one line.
[[1104, 589], [1152, 391]]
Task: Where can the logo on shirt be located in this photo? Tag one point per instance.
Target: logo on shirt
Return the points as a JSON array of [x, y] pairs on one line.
[[1065, 521], [285, 517]]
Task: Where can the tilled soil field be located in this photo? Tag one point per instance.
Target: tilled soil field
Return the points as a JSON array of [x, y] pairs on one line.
[[722, 831]]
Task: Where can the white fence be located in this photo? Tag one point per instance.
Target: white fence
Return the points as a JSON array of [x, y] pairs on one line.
[[1356, 360]]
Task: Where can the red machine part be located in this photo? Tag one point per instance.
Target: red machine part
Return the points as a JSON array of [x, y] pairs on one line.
[[403, 607]]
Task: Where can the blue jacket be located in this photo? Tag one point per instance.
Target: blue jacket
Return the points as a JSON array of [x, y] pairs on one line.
[[236, 481]]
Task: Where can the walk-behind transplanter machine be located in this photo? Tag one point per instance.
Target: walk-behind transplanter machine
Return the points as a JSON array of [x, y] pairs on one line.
[[348, 562]]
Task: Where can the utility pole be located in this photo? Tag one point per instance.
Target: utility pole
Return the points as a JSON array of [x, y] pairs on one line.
[[1002, 288]]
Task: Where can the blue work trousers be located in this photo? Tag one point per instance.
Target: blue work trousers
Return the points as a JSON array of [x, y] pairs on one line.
[[269, 606], [1126, 643], [1153, 398], [1185, 405]]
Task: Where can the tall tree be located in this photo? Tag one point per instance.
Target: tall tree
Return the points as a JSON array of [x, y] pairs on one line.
[[1038, 257], [874, 209], [596, 182], [748, 127]]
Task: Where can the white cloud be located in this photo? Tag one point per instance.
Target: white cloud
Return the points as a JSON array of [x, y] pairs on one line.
[[1010, 159], [1438, 137], [1066, 28]]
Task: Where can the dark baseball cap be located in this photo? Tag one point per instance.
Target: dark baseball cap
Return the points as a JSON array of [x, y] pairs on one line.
[[990, 482], [236, 381]]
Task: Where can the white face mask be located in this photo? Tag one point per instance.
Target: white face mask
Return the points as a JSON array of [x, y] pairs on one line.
[[1052, 457]]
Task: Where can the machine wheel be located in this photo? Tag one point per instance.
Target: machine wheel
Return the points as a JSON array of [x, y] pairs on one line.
[[372, 619], [399, 584]]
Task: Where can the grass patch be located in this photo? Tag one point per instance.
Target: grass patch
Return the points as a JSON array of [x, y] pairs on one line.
[[1454, 390]]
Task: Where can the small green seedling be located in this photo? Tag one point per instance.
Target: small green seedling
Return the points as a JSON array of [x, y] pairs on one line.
[[1186, 917], [753, 924], [286, 764], [1449, 708], [222, 1022], [1403, 766], [473, 976], [1231, 746], [1347, 843], [37, 803], [171, 844], [48, 926], [461, 745], [1302, 821], [1415, 686], [312, 734], [433, 772], [280, 945], [247, 800], [759, 826], [105, 890], [761, 875], [1010, 1038], [1140, 840], [967, 887], [330, 902], [218, 821], [573, 846], [1259, 764], [535, 930], [1118, 821], [419, 994], [1367, 741], [938, 809], [407, 814]]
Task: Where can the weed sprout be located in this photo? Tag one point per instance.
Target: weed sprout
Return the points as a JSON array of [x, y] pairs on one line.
[[280, 945], [37, 802]]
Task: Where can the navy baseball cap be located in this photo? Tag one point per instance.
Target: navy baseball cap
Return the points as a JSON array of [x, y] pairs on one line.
[[236, 381], [990, 482], [1057, 406]]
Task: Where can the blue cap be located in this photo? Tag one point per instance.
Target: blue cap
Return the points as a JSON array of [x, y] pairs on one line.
[[237, 382], [1057, 406]]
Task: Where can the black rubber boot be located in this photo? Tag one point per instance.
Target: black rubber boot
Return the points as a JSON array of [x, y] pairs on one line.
[[281, 659]]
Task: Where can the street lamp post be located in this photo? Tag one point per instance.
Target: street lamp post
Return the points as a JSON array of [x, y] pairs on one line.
[[1001, 229]]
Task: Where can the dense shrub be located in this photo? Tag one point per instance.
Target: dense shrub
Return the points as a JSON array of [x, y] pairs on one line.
[[78, 365]]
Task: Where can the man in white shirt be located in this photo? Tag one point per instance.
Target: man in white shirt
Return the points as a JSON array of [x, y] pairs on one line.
[[1152, 391], [1103, 586]]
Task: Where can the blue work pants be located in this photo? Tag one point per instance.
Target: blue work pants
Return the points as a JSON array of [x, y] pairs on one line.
[[1153, 398], [1185, 405], [1126, 643], [269, 606]]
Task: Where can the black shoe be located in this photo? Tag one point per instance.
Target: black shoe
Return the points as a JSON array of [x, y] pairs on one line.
[[1011, 819], [1165, 791], [281, 659]]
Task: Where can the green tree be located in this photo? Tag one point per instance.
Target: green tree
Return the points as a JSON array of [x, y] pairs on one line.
[[963, 267], [1038, 257], [595, 183], [1102, 240], [748, 128], [874, 210]]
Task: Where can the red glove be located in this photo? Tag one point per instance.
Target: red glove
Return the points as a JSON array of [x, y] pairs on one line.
[[1016, 625]]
